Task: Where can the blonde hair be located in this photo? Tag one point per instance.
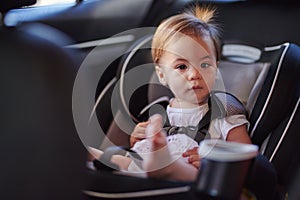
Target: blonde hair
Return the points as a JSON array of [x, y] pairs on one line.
[[197, 22]]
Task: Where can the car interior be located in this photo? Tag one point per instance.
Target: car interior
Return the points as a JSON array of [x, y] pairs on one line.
[[80, 74]]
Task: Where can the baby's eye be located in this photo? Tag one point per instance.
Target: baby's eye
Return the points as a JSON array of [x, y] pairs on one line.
[[182, 67], [204, 65]]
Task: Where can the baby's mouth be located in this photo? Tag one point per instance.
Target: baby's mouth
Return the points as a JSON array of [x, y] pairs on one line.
[[197, 87]]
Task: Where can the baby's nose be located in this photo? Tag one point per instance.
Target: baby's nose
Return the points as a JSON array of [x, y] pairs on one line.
[[194, 73]]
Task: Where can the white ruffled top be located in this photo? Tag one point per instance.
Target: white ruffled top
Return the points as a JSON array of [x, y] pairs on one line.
[[179, 143]]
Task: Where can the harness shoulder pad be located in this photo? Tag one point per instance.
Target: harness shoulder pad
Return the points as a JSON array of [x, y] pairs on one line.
[[227, 104]]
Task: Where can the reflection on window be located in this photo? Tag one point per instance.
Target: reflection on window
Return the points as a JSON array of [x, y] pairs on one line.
[[52, 2]]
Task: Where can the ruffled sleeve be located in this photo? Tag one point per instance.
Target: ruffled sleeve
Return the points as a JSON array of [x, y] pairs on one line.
[[220, 127]]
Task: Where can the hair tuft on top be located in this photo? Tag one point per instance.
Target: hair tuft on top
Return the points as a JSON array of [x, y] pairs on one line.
[[204, 13]]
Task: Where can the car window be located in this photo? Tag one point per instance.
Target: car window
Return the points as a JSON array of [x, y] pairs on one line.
[[52, 2]]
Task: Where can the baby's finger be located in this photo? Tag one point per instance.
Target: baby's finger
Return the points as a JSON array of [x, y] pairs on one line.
[[193, 158], [136, 137], [193, 151], [196, 164], [155, 125], [134, 140], [138, 132], [140, 135], [143, 124]]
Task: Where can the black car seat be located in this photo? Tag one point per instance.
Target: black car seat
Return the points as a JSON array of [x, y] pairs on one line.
[[275, 117], [42, 156], [266, 80], [258, 76], [272, 103]]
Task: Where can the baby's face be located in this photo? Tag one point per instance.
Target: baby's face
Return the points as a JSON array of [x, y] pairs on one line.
[[188, 66]]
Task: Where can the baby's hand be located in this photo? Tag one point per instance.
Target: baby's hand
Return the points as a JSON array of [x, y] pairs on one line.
[[193, 157], [138, 133]]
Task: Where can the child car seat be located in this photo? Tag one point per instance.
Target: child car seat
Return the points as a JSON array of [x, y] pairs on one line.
[[266, 70]]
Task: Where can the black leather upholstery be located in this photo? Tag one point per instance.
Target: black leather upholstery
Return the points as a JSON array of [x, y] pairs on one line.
[[41, 154]]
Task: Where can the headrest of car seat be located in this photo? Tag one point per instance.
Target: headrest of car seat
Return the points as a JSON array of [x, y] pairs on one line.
[[239, 52], [241, 71], [6, 5], [244, 80]]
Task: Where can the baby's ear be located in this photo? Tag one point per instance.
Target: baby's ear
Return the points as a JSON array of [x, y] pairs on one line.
[[160, 74]]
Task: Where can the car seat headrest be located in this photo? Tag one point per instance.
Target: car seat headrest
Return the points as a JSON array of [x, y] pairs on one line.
[[241, 53], [244, 80]]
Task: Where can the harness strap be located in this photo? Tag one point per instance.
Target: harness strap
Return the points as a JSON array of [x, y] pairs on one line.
[[221, 104]]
